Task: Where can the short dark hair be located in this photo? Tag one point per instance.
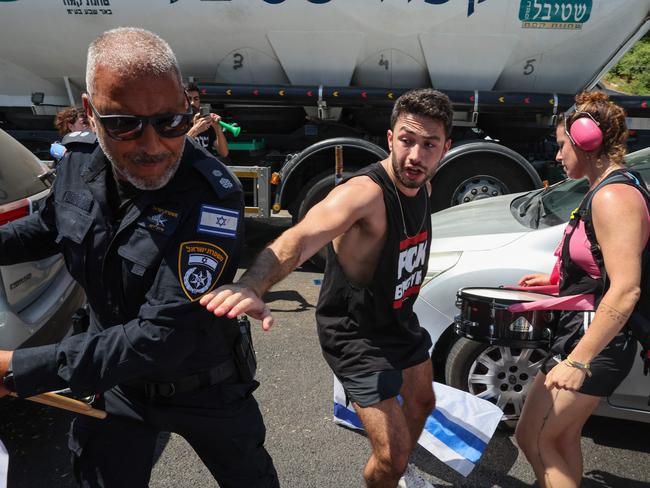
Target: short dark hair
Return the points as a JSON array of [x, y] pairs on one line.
[[191, 86], [426, 102]]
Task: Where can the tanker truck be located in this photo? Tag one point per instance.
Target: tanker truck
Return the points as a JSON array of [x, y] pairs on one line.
[[303, 77]]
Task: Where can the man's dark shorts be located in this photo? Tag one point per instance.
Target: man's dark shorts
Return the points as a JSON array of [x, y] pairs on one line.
[[367, 389]]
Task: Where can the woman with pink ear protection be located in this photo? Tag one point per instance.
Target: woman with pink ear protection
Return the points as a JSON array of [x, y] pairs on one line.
[[603, 251]]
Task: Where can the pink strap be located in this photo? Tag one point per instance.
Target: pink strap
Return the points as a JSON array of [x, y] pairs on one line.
[[571, 302], [548, 289]]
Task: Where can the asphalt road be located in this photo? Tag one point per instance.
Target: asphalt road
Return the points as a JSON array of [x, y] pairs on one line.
[[296, 399]]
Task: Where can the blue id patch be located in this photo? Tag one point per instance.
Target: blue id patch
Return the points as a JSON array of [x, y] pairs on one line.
[[218, 221]]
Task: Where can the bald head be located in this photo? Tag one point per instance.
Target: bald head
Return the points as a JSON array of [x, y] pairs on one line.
[[133, 53]]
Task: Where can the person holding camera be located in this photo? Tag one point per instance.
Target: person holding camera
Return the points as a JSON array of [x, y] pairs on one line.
[[205, 125]]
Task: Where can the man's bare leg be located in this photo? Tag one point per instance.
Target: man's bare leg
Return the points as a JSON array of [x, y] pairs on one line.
[[418, 396], [390, 440], [394, 429]]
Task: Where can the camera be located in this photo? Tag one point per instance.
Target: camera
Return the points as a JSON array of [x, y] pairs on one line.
[[204, 110]]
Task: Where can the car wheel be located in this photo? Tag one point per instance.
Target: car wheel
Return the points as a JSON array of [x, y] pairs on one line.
[[472, 180], [499, 374]]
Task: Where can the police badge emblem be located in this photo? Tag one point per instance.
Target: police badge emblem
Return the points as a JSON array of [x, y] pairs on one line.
[[200, 265]]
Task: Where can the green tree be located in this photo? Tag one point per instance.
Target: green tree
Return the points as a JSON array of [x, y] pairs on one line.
[[632, 73]]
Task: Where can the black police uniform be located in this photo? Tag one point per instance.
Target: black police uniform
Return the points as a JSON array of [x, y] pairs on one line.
[[163, 361], [79, 141]]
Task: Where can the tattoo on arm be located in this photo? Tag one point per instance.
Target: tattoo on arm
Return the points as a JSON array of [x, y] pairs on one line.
[[267, 270], [613, 314]]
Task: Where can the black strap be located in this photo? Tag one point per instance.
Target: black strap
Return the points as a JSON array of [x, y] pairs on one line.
[[185, 384], [584, 212]]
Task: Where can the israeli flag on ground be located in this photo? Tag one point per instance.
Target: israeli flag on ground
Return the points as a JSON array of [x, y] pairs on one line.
[[456, 432]]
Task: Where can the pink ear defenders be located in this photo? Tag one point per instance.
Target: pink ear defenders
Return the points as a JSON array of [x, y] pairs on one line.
[[584, 131]]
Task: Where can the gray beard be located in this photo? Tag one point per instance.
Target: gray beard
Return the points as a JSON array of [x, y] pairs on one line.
[[140, 183]]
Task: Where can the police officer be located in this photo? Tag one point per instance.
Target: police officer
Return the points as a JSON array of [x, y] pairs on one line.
[[81, 140], [148, 223], [74, 130]]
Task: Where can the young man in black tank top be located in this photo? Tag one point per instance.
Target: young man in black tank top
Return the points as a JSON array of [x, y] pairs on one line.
[[379, 228]]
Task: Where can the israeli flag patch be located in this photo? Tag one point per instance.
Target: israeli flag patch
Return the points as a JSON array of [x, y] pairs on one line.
[[218, 221]]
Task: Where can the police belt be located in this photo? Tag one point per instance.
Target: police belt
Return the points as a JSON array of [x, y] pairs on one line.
[[185, 384]]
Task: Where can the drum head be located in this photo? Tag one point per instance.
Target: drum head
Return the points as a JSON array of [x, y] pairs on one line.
[[502, 295]]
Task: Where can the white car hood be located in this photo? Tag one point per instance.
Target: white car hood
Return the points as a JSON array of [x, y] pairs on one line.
[[490, 218]]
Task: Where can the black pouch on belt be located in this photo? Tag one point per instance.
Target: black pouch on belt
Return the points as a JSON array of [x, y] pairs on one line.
[[244, 352], [80, 321]]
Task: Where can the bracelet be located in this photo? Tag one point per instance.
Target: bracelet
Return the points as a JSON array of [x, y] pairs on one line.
[[581, 366]]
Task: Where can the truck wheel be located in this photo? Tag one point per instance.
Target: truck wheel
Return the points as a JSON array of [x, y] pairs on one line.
[[314, 191], [499, 374], [483, 176]]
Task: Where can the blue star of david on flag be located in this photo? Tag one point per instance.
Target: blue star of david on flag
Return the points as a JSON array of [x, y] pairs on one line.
[[218, 221]]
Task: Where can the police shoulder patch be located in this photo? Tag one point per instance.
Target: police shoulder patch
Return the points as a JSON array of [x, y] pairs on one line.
[[200, 265], [82, 137]]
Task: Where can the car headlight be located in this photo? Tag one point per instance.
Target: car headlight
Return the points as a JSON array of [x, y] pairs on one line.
[[439, 262]]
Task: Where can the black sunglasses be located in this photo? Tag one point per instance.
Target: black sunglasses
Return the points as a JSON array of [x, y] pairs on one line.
[[130, 127]]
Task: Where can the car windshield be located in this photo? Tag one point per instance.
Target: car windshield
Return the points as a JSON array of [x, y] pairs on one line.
[[553, 206], [19, 171]]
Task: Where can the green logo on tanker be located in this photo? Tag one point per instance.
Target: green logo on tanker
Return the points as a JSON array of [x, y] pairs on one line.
[[539, 13]]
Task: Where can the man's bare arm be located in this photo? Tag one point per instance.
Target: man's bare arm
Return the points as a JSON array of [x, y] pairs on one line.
[[220, 143], [342, 208]]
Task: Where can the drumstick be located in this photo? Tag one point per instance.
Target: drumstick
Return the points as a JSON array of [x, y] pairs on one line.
[[65, 403]]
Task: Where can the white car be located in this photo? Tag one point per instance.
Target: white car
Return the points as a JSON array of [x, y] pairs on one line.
[[494, 242], [37, 299]]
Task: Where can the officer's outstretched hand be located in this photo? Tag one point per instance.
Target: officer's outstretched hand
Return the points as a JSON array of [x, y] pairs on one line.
[[5, 361], [234, 300]]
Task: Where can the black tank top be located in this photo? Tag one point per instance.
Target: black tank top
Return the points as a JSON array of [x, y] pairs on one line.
[[374, 328]]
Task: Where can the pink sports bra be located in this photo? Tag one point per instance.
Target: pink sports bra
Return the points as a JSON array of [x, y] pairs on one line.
[[580, 250]]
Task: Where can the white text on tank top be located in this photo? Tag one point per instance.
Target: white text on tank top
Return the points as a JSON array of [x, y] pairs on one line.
[[410, 267]]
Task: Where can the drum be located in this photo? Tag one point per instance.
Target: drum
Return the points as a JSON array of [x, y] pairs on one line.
[[484, 317]]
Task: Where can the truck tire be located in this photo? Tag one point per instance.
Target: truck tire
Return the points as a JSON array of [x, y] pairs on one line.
[[314, 191], [499, 374], [475, 177]]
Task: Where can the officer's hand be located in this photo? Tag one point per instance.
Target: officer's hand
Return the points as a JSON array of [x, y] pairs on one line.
[[234, 300], [5, 360]]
